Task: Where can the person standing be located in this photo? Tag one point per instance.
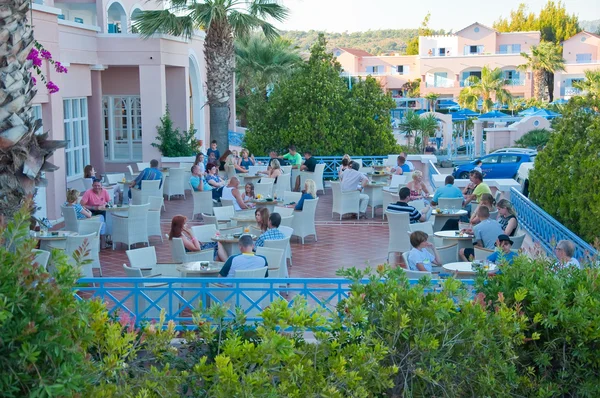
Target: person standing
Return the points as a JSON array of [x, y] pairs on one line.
[[353, 180], [151, 173], [438, 138]]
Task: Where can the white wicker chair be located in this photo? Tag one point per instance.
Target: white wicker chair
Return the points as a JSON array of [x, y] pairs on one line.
[[398, 224], [482, 253], [280, 244], [287, 221], [426, 227], [264, 189], [175, 183], [71, 222], [450, 203], [274, 259], [448, 254], [132, 226], [143, 258], [149, 188], [283, 184], [130, 169], [203, 202], [316, 176], [41, 257], [398, 180], [518, 241], [289, 197], [115, 178], [142, 165], [344, 203], [154, 210], [304, 221], [93, 227], [417, 204], [227, 202], [146, 296], [283, 211], [387, 199], [204, 232], [224, 215], [287, 232]]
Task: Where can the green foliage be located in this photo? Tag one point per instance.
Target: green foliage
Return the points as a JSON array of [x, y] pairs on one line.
[[537, 138], [315, 110], [545, 59], [413, 44], [443, 344], [591, 84], [559, 351], [175, 143], [490, 86], [568, 168], [553, 22]]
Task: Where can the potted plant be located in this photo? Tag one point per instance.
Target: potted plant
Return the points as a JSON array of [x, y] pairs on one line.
[[175, 145]]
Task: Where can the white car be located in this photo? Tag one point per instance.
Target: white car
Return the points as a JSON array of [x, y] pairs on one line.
[[516, 150], [523, 177]]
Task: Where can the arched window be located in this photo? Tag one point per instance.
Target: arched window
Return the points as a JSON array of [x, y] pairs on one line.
[[116, 19], [136, 13]]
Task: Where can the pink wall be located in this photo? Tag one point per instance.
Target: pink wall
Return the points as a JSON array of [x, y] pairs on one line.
[[525, 39], [349, 62], [177, 99], [485, 37], [574, 46], [121, 81], [77, 82]]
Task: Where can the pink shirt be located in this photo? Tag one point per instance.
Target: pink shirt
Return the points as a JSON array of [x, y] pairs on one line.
[[91, 199]]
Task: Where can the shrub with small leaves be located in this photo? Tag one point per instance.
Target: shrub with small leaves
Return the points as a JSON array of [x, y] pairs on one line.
[[175, 143]]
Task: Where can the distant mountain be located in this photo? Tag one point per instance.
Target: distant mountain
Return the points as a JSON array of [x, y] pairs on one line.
[[376, 42], [590, 26]]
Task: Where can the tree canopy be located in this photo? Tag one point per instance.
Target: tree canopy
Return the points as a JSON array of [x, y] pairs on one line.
[[553, 22], [315, 110], [413, 44]]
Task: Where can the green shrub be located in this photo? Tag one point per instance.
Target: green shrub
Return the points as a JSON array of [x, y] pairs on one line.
[[175, 143], [537, 138], [315, 110], [443, 344], [559, 355], [567, 171]]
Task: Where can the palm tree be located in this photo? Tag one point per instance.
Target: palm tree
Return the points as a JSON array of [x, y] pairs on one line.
[[432, 99], [223, 21], [260, 65], [545, 59], [428, 126], [23, 154], [491, 84], [410, 125], [591, 85]]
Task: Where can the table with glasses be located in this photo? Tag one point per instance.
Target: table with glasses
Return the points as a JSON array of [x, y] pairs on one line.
[[465, 268], [195, 270], [269, 204], [450, 237], [244, 219], [52, 239], [247, 177], [375, 192], [230, 242], [379, 176], [443, 215]]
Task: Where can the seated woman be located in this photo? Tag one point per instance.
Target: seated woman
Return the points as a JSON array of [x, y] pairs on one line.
[[507, 217], [248, 194], [419, 257], [262, 218], [89, 171], [180, 229], [418, 189], [275, 170], [244, 162], [310, 192], [215, 181], [486, 200], [200, 163], [83, 213]]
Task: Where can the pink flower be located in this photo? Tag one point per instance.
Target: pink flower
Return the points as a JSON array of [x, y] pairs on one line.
[[60, 68], [46, 54], [34, 80], [52, 88], [34, 56]]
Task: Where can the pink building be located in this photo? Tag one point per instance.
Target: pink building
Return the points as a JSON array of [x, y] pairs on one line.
[[445, 62], [116, 90], [581, 52]]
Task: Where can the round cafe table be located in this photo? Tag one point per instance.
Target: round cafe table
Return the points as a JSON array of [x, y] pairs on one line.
[[375, 192], [230, 243], [464, 267], [269, 204], [445, 215], [246, 178], [52, 239], [193, 270], [381, 176], [244, 220], [454, 236]]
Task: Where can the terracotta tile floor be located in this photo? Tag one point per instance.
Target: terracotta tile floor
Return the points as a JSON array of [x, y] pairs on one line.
[[346, 243]]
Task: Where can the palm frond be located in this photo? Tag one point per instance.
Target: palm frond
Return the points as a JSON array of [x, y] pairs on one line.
[[269, 9], [149, 23]]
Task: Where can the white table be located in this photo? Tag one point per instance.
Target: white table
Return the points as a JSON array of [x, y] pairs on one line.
[[441, 218], [464, 267], [451, 236], [52, 239], [193, 270]]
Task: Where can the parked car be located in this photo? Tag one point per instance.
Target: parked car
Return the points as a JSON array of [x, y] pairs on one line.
[[495, 165], [523, 177], [516, 150]]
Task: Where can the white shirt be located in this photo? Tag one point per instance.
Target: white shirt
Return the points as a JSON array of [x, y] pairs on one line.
[[227, 194], [420, 256]]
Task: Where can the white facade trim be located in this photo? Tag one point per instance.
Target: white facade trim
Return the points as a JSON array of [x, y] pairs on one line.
[[78, 25], [46, 9]]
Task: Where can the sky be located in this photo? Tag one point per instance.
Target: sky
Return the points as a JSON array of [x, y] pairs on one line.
[[362, 15]]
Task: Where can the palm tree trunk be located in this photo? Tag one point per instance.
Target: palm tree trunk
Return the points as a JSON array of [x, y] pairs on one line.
[[538, 84], [220, 64], [22, 153], [549, 82]]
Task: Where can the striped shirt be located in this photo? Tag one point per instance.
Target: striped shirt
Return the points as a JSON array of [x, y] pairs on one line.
[[402, 207], [269, 234]]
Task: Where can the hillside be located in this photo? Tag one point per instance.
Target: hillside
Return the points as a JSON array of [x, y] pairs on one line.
[[590, 26], [375, 42]]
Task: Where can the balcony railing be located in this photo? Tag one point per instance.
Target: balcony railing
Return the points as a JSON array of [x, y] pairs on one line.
[[571, 91], [441, 83], [545, 229], [509, 82]]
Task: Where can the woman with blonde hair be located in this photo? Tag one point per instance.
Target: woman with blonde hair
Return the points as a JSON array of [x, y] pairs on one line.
[[275, 170], [310, 192], [418, 189], [507, 217], [245, 161]]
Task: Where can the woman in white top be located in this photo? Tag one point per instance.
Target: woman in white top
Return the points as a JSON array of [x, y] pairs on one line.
[[565, 249], [419, 258]]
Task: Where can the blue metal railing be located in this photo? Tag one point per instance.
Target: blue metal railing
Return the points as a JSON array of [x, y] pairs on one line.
[[544, 229], [332, 163], [143, 299], [432, 171]]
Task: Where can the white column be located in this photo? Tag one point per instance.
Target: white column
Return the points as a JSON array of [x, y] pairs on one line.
[[478, 136], [153, 97]]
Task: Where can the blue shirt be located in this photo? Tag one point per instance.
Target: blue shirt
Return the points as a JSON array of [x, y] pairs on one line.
[[215, 151], [300, 204], [448, 191], [497, 257], [148, 174], [78, 209], [195, 182], [269, 234], [405, 168]]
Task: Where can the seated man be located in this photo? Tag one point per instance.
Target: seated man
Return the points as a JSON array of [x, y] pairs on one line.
[[402, 206], [149, 174], [565, 250], [197, 180], [478, 186], [231, 192], [309, 165], [353, 180], [503, 252], [246, 260], [273, 232], [448, 191], [402, 167], [410, 165], [486, 233]]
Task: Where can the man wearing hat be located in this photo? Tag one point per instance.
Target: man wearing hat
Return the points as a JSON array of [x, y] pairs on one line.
[[504, 254]]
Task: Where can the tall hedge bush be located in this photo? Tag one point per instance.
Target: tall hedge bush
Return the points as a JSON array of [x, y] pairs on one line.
[[315, 110], [566, 173]]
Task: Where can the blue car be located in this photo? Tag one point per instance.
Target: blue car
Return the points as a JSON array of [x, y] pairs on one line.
[[495, 165]]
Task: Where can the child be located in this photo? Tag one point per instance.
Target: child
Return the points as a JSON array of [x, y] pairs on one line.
[[248, 194], [213, 150]]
